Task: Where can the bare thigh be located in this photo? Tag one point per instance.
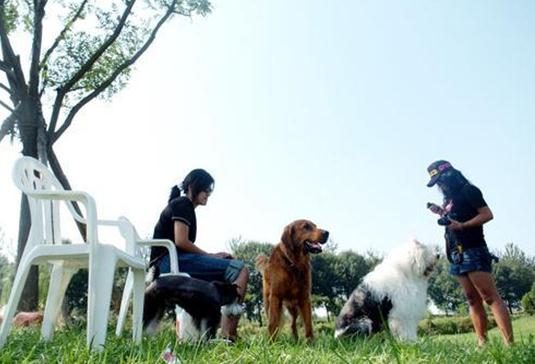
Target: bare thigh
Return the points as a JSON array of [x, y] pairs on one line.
[[470, 291], [484, 283]]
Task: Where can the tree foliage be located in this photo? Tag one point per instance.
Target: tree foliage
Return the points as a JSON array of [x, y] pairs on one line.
[[444, 289], [248, 251], [7, 268], [528, 301], [514, 275]]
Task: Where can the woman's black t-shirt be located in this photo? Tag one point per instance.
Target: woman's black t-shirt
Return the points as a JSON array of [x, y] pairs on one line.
[[464, 207], [179, 209]]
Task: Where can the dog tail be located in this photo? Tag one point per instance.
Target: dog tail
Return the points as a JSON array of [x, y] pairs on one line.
[[261, 263]]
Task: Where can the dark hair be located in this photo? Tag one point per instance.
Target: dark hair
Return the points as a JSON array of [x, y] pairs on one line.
[[198, 180], [454, 181]]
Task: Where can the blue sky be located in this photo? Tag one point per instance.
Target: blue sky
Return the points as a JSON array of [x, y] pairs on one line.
[[329, 111]]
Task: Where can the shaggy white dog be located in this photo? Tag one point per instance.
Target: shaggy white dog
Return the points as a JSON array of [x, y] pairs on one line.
[[394, 292]]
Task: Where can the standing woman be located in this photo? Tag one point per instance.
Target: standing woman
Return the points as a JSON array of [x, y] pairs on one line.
[[178, 223], [463, 212]]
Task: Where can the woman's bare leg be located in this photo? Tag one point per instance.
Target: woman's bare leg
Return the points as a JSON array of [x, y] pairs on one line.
[[484, 283], [229, 324], [477, 311]]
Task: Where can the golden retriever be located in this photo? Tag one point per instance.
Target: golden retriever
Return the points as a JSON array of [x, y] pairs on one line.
[[286, 275]]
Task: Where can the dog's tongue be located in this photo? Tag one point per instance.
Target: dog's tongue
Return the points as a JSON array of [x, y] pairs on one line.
[[314, 247]]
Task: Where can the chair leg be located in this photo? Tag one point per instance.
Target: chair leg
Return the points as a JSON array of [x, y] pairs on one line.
[[139, 296], [14, 298], [125, 300], [59, 280], [101, 275]]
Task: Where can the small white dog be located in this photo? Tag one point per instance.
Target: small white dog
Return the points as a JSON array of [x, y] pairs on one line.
[[394, 292]]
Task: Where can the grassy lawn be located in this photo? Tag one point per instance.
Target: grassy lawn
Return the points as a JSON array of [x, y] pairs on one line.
[[68, 346]]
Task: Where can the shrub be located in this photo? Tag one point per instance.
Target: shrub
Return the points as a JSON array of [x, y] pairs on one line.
[[528, 301], [449, 325]]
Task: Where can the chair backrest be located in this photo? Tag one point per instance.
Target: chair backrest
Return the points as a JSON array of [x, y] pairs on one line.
[[30, 175], [130, 235]]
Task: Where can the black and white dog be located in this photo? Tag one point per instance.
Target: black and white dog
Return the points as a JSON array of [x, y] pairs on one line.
[[395, 292], [201, 300]]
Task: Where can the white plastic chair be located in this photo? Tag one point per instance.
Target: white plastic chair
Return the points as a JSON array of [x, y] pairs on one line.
[[45, 245], [129, 232]]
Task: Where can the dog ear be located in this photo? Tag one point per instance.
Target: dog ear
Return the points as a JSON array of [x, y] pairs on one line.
[[288, 235], [227, 291], [417, 256]]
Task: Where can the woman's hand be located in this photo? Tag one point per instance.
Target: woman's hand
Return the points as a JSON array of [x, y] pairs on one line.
[[456, 225], [434, 208], [222, 255], [483, 215]]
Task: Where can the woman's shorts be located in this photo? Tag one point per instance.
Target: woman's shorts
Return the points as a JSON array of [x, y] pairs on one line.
[[471, 260], [204, 267]]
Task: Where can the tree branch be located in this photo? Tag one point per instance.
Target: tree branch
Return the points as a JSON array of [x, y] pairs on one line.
[[4, 66], [58, 39], [5, 88], [8, 70], [113, 76], [61, 35], [6, 106], [9, 123], [39, 13], [86, 67], [11, 63]]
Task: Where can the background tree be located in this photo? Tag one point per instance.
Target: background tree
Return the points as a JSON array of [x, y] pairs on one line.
[[351, 267], [90, 53], [7, 268], [514, 275], [325, 280], [335, 276], [528, 301], [444, 289], [248, 251]]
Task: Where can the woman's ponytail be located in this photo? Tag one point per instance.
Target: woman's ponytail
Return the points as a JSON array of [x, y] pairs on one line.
[[175, 192]]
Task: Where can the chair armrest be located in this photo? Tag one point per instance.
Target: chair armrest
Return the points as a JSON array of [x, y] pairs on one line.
[[108, 222], [79, 196], [166, 243]]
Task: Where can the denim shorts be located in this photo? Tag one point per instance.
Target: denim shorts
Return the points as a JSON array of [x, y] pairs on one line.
[[472, 260], [204, 267]]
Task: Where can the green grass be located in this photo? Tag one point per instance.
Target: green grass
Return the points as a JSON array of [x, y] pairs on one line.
[[68, 346]]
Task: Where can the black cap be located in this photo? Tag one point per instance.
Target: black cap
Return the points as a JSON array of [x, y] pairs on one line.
[[435, 169]]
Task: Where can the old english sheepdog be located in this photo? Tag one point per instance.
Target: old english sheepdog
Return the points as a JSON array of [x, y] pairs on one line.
[[394, 292]]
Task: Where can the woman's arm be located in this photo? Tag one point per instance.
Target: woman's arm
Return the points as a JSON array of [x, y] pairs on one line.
[[484, 215], [182, 241]]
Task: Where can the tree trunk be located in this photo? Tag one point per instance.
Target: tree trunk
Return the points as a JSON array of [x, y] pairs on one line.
[[29, 298], [28, 125], [62, 178]]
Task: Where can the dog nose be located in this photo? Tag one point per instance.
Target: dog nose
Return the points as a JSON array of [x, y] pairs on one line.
[[325, 235]]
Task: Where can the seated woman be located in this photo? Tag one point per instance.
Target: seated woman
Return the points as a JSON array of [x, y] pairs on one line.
[[178, 223]]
